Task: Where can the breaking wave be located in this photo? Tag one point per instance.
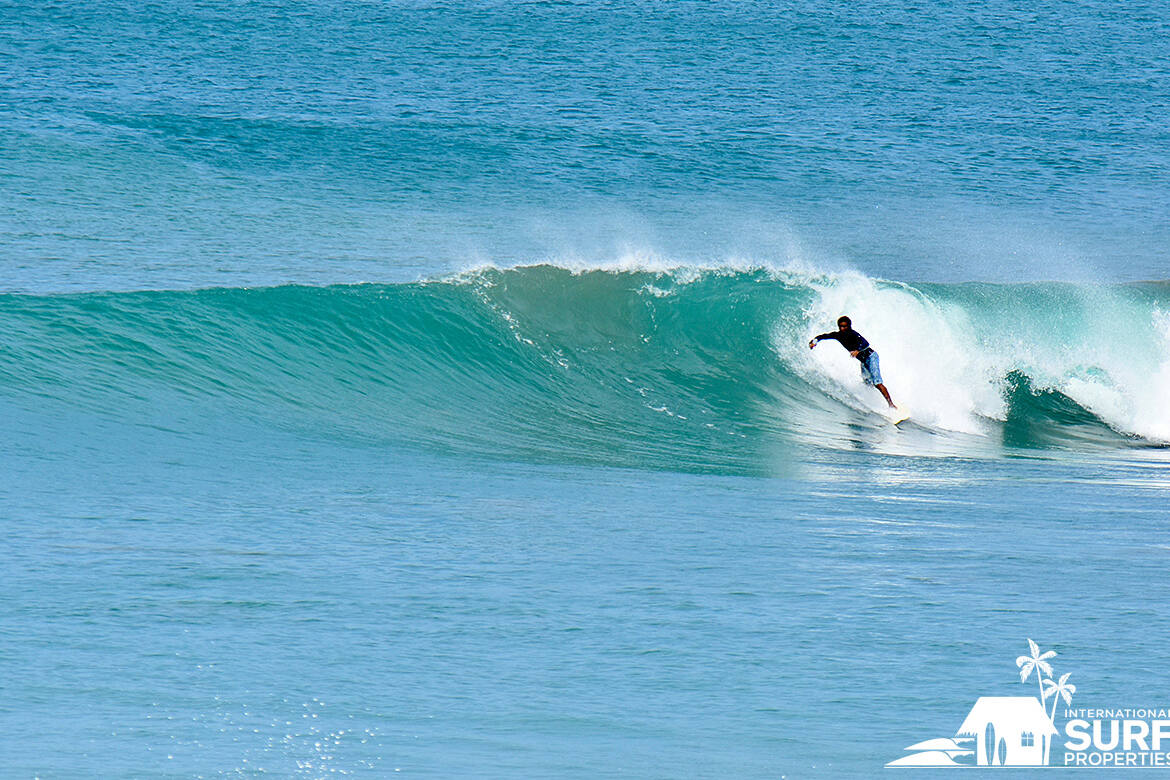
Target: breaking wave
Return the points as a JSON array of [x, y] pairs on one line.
[[690, 368]]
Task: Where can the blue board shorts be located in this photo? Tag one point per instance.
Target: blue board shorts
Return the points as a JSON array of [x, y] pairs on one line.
[[871, 370]]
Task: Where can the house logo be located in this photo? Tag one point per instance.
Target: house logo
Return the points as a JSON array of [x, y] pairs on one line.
[[1002, 730]]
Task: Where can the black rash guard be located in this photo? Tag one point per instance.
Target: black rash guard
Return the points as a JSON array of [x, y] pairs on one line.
[[851, 340]]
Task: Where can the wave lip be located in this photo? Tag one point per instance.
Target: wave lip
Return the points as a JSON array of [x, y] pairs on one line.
[[675, 367]]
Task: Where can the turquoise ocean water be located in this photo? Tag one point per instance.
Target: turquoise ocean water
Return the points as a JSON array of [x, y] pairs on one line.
[[423, 388]]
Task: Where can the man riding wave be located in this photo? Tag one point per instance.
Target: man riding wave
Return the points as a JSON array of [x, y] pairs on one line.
[[859, 348]]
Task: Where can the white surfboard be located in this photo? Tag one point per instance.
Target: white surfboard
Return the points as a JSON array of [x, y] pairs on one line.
[[898, 414]]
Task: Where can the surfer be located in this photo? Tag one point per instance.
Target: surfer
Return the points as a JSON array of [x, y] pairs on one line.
[[859, 348]]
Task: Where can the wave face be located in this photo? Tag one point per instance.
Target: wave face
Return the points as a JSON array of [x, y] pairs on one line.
[[688, 368]]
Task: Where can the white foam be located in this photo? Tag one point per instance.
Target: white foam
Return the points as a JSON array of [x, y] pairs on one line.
[[928, 358], [1119, 367], [636, 259], [948, 365]]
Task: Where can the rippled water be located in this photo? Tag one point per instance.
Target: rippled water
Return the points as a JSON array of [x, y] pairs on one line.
[[561, 491]]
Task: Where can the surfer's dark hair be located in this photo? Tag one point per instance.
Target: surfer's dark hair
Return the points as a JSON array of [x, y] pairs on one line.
[[848, 322]]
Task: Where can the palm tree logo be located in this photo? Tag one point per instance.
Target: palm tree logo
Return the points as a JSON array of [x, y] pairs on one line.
[[1038, 662], [1062, 689]]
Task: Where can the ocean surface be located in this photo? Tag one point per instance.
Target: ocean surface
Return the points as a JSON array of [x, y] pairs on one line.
[[423, 388]]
